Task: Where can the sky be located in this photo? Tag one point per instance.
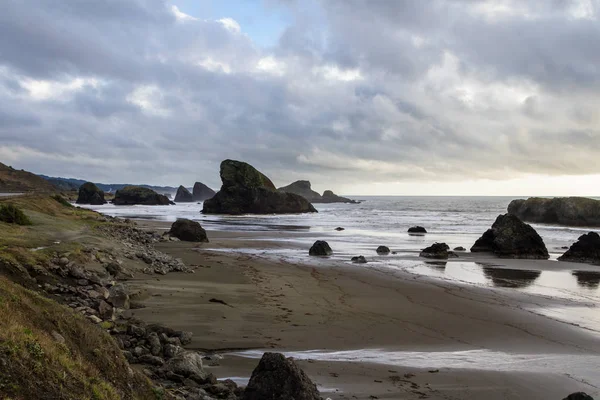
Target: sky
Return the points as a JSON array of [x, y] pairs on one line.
[[364, 97]]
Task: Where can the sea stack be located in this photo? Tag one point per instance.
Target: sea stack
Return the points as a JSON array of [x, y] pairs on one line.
[[585, 250], [245, 190], [132, 195], [89, 193], [183, 195], [510, 237], [570, 211], [202, 192], [303, 188]]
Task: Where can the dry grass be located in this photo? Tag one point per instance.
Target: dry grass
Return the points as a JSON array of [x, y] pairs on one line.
[[88, 365]]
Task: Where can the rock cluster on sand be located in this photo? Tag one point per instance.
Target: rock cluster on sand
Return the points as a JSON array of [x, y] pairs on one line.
[[437, 250], [279, 378], [585, 250], [571, 211], [320, 248], [359, 260], [188, 231], [510, 237], [202, 192], [131, 195], [183, 195], [247, 191], [417, 229], [89, 193], [303, 188]]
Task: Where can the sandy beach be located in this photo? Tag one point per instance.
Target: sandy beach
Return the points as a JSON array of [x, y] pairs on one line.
[[431, 338]]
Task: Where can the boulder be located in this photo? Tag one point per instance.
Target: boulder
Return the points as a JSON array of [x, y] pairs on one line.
[[106, 311], [339, 229], [570, 211], [89, 193], [303, 189], [131, 195], [437, 250], [585, 250], [460, 248], [278, 378], [245, 190], [189, 365], [383, 250], [417, 229], [510, 237], [359, 260], [188, 231], [118, 296], [183, 195], [330, 197], [320, 248], [579, 396], [202, 192]]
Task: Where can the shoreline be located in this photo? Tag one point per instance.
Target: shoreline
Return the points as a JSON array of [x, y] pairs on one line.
[[283, 306]]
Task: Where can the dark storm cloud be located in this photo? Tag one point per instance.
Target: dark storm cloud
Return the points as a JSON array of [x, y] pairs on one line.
[[353, 91]]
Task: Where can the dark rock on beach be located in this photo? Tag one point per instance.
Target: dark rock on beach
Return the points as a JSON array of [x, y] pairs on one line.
[[509, 237], [579, 396], [188, 231], [570, 211], [437, 250], [202, 192], [278, 378], [383, 250], [585, 250], [131, 195], [359, 260], [417, 229], [339, 229], [320, 248], [183, 195], [245, 190], [89, 193]]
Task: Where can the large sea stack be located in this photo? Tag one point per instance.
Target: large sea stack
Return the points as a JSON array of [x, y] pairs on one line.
[[202, 192], [90, 194], [131, 195], [585, 250], [510, 237], [245, 190], [570, 211], [183, 195]]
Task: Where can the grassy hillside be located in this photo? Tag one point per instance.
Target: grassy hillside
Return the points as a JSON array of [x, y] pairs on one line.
[[16, 181]]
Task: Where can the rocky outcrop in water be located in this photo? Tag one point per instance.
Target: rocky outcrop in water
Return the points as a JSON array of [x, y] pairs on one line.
[[202, 192], [570, 211], [279, 378], [303, 188], [183, 195], [359, 260], [245, 190], [188, 231], [510, 237], [320, 248], [437, 250], [417, 229], [383, 250], [585, 250], [89, 193], [132, 195]]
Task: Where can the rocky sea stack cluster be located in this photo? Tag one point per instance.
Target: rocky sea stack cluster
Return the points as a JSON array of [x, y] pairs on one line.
[[132, 195], [510, 237], [304, 189], [245, 190], [89, 193], [570, 211]]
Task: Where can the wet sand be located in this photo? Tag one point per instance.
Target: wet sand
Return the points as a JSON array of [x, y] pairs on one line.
[[264, 303]]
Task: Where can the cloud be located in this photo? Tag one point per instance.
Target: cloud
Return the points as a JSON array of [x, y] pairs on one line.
[[353, 91]]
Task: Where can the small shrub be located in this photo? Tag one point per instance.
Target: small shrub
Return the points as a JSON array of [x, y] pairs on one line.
[[11, 214], [62, 200]]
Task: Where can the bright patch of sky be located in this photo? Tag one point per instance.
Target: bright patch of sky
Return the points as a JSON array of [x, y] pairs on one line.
[[261, 20]]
